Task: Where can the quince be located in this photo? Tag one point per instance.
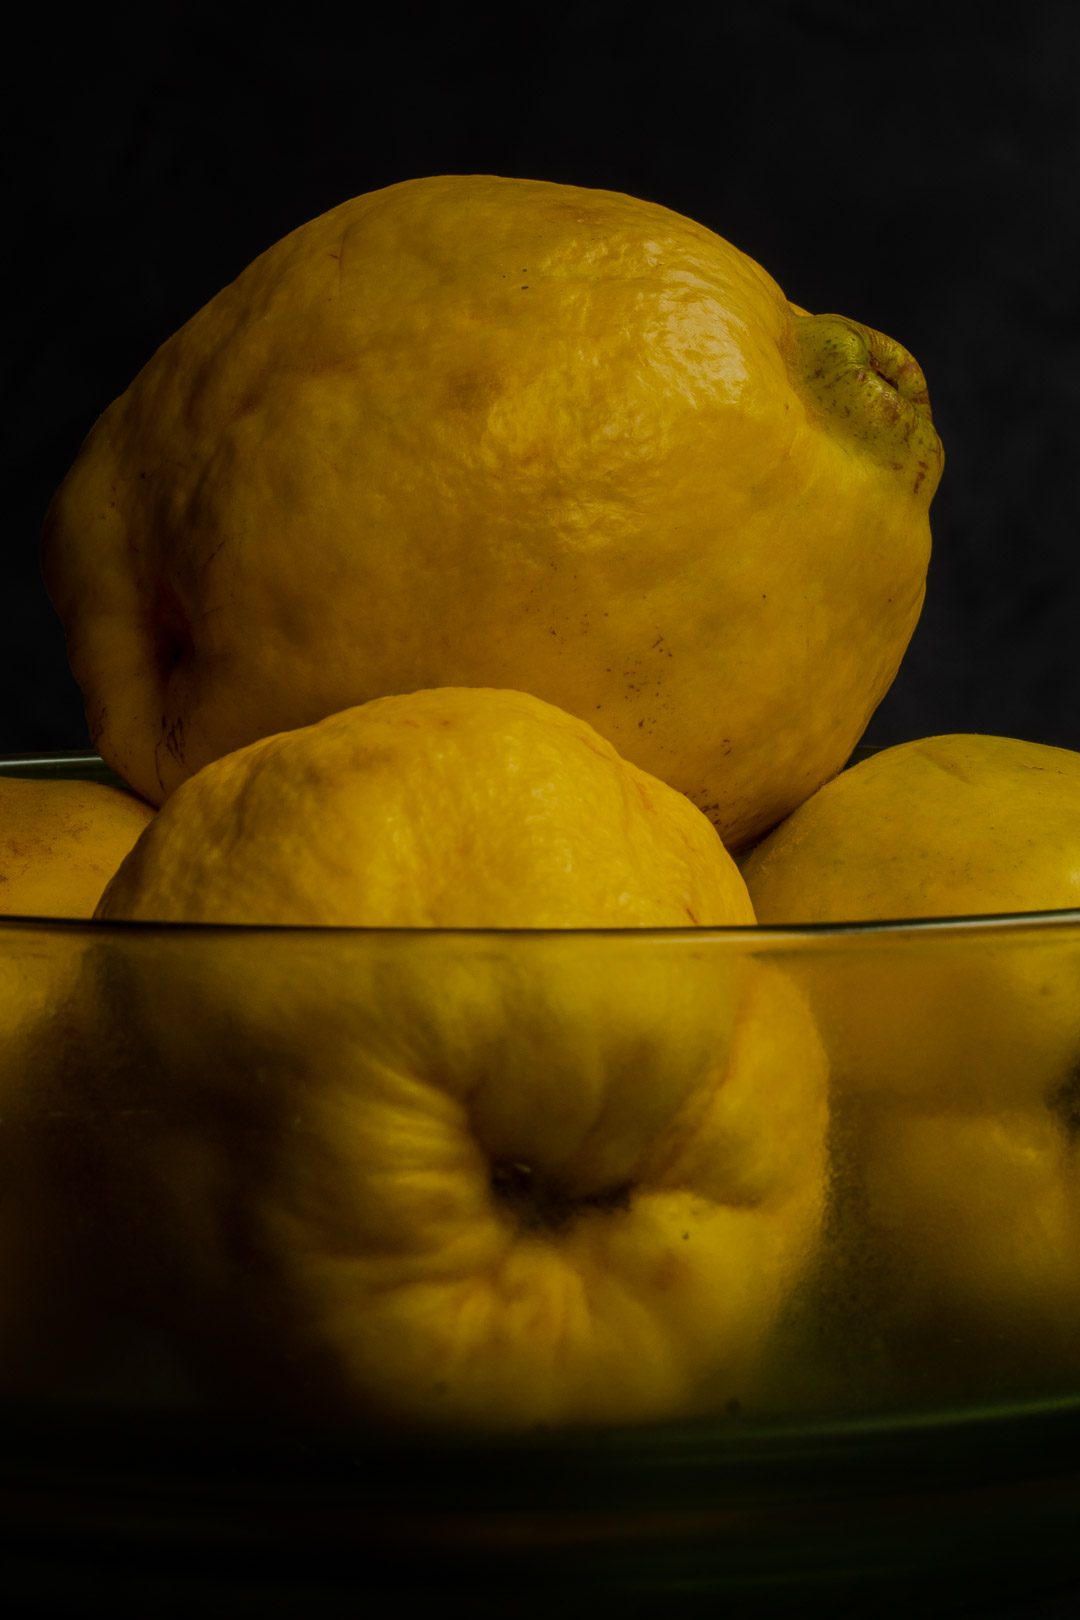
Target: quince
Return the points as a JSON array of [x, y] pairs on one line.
[[956, 1054], [456, 1165], [60, 841], [485, 432]]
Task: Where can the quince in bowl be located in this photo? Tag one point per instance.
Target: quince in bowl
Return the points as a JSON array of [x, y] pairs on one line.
[[550, 1255]]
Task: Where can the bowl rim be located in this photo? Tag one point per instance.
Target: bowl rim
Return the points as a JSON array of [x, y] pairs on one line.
[[762, 937], [769, 936]]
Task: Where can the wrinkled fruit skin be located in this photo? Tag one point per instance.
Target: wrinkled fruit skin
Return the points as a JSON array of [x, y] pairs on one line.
[[955, 1065], [429, 1175], [452, 808], [485, 432], [463, 1183]]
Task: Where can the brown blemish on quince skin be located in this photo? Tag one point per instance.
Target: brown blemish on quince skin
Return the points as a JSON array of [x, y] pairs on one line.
[[170, 741], [174, 740]]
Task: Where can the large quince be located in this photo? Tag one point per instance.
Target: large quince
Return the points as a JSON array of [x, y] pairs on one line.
[[475, 431], [956, 1055], [459, 1164]]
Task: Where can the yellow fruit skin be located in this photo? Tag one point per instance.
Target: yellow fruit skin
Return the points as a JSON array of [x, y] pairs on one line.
[[956, 1172], [60, 843], [484, 1179], [454, 808], [486, 432]]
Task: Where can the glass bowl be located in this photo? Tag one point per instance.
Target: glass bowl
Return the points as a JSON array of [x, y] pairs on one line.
[[900, 1421]]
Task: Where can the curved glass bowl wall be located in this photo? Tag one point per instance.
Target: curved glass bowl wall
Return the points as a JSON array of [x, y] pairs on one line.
[[917, 1413]]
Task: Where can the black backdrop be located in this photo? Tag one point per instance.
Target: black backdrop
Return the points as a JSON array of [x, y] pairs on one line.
[[919, 170]]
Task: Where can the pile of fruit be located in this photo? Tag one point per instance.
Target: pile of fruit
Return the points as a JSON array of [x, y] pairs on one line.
[[482, 596]]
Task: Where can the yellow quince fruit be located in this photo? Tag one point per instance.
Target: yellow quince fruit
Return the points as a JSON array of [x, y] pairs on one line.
[[446, 1161], [956, 1052], [484, 432], [60, 842]]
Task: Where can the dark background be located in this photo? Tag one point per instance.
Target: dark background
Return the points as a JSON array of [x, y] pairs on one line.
[[918, 170]]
